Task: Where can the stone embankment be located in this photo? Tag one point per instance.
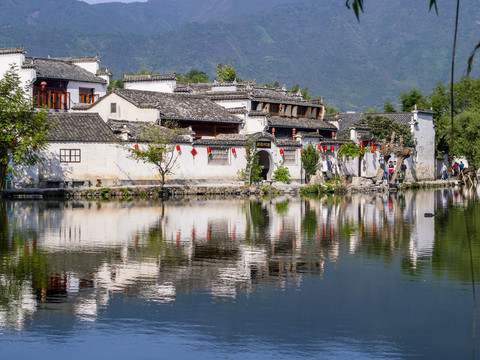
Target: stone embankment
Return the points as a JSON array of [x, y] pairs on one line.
[[269, 189]]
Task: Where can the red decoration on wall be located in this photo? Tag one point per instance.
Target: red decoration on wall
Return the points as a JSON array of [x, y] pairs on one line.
[[281, 151], [194, 152], [136, 147], [178, 148]]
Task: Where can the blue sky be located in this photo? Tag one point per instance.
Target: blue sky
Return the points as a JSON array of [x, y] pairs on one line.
[[105, 1]]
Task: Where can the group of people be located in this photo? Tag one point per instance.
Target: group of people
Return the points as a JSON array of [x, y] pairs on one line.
[[456, 168], [389, 170]]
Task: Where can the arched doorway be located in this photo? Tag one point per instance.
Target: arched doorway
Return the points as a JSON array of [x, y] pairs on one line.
[[264, 160]]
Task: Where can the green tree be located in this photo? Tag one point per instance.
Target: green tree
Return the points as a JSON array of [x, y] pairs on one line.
[[23, 128], [309, 158], [412, 98], [382, 127], [466, 131], [281, 173], [193, 76], [226, 72], [372, 110], [158, 147], [253, 170], [388, 107], [331, 110]]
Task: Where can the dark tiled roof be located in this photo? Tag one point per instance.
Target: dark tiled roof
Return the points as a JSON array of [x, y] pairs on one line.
[[87, 127], [135, 129], [155, 77], [237, 110], [79, 59], [347, 120], [19, 50], [58, 69], [242, 140], [300, 123], [179, 106], [228, 95]]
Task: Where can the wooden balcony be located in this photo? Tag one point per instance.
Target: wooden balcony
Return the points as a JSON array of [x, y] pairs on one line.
[[50, 99]]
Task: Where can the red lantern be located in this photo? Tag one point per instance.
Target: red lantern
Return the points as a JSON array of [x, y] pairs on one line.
[[361, 143], [234, 151], [332, 148], [374, 148], [333, 134], [301, 151], [373, 144], [136, 147], [208, 150], [43, 83], [178, 148], [194, 152], [325, 148], [281, 152], [319, 147], [373, 151]]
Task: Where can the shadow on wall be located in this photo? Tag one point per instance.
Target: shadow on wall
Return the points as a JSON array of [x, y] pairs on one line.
[[53, 174]]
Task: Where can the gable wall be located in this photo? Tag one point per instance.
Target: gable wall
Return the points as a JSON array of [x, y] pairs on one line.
[[125, 110]]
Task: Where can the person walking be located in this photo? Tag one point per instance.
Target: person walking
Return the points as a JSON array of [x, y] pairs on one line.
[[443, 171]]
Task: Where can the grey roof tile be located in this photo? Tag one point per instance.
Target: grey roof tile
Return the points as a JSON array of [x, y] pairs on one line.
[[179, 106], [154, 77], [59, 69], [348, 119], [83, 127], [300, 123]]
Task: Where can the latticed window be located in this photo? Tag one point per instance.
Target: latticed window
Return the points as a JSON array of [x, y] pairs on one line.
[[70, 155], [218, 156], [289, 157]]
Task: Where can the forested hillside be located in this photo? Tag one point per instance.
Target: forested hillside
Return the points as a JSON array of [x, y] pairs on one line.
[[318, 43]]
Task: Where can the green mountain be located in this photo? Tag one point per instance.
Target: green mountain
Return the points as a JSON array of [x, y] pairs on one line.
[[317, 43]]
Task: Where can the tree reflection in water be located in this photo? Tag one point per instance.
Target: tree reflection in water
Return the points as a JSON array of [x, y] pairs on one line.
[[82, 253]]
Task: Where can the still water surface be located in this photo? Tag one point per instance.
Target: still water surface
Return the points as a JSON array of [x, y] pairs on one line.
[[354, 277]]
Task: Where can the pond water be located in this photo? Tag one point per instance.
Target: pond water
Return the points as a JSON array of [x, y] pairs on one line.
[[353, 277]]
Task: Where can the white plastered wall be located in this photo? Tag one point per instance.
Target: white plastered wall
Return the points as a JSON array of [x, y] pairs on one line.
[[164, 86]]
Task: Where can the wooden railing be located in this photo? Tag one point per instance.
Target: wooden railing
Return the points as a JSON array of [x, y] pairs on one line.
[[50, 99]]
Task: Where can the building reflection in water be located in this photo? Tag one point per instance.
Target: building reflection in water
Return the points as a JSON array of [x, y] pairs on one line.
[[74, 256]]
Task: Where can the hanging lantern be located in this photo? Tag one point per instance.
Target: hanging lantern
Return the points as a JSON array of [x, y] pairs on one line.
[[333, 134], [374, 148], [273, 131], [43, 84], [194, 152], [209, 150], [373, 144], [361, 148], [178, 148], [319, 147], [234, 151], [361, 143], [332, 148], [301, 151], [136, 147], [281, 152], [324, 147], [373, 151]]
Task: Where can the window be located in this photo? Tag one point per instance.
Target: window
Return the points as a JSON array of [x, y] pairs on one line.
[[70, 155], [314, 113], [218, 156], [288, 111], [87, 95], [289, 157], [113, 108]]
